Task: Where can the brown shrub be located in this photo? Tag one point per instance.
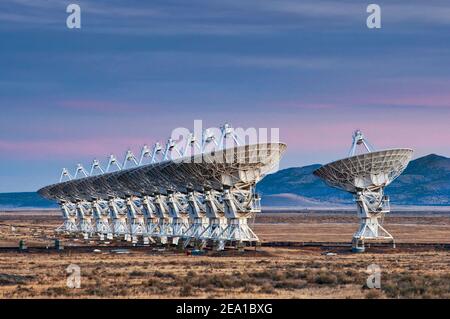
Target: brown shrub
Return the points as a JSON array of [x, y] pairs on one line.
[[164, 275], [405, 285], [374, 294], [267, 288], [137, 273], [186, 290], [325, 278]]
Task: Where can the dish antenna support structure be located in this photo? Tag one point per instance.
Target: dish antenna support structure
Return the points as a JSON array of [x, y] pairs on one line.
[[365, 176], [359, 139], [202, 194]]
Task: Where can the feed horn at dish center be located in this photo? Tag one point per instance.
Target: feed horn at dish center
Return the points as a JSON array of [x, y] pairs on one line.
[[202, 194]]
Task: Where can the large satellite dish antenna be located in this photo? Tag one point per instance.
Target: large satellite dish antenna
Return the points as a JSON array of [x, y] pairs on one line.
[[366, 175]]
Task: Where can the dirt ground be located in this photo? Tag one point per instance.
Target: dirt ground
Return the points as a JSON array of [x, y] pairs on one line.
[[268, 272], [326, 227]]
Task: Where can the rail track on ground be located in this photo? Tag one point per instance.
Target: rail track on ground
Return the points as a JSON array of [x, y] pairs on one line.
[[120, 248]]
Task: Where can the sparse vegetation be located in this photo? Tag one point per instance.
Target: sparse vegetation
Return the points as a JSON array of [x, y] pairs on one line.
[[276, 272], [407, 285], [374, 294], [136, 273], [11, 279]]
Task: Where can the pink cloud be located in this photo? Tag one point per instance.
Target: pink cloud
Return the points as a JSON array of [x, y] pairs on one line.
[[416, 100], [322, 129], [316, 136]]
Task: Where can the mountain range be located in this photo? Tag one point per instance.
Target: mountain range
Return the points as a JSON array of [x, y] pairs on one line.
[[426, 181], [24, 200]]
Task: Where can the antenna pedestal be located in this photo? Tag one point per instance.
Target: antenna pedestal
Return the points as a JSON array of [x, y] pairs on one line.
[[85, 225], [70, 220], [137, 229], [69, 226], [179, 227], [103, 228], [214, 231], [199, 225], [239, 231], [120, 227], [164, 229], [239, 205], [152, 228], [372, 206]]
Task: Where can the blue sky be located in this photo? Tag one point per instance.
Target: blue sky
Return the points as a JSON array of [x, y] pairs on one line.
[[137, 70]]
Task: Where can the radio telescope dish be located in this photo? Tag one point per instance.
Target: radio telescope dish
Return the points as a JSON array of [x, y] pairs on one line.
[[202, 194], [366, 175]]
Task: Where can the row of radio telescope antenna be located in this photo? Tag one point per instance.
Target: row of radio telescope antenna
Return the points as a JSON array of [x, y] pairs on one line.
[[158, 153]]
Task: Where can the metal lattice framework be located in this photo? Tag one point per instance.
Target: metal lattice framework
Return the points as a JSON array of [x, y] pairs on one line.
[[366, 176], [169, 194]]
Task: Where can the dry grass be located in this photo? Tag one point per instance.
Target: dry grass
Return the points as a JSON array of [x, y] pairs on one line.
[[406, 228], [36, 228], [268, 273], [283, 273]]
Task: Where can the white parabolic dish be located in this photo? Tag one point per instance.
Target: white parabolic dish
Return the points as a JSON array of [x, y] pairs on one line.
[[238, 166], [366, 171]]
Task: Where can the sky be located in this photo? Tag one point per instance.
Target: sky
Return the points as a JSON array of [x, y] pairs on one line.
[[136, 70]]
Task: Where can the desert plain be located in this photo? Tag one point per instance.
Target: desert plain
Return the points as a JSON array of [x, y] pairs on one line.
[[304, 254]]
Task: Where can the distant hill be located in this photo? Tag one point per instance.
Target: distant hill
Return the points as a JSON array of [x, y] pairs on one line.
[[426, 181], [24, 200], [297, 186]]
